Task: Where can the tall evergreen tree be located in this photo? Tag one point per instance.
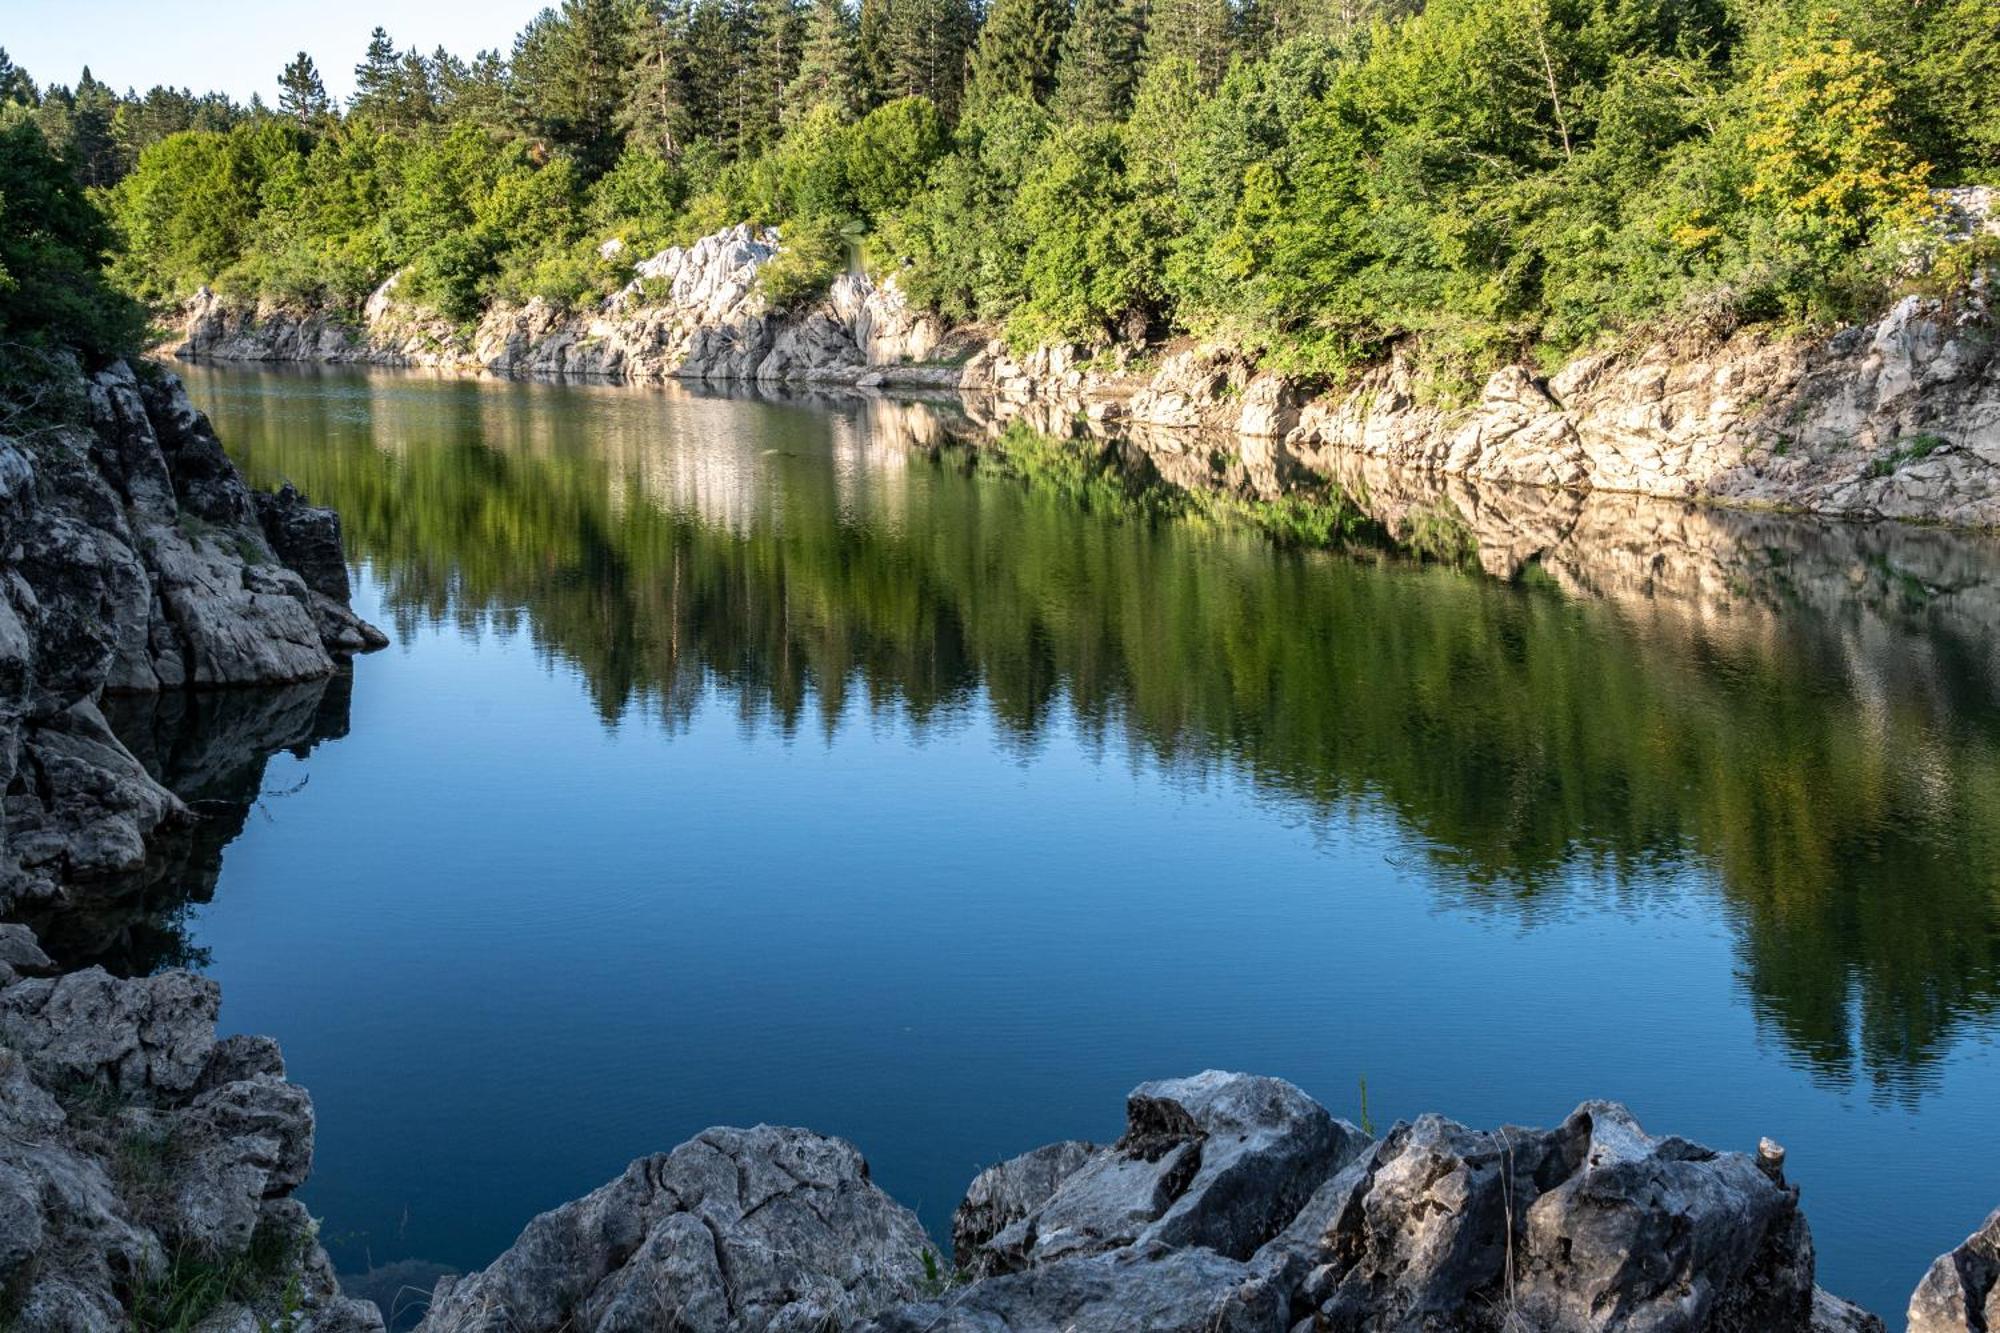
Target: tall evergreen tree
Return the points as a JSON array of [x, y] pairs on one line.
[[1099, 66], [829, 63], [479, 93], [917, 48], [301, 94], [1017, 50], [569, 73], [657, 115], [1201, 31], [376, 80], [16, 88], [93, 147], [777, 33]]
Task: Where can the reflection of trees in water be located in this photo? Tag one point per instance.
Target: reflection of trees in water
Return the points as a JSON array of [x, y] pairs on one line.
[[1808, 712], [211, 750]]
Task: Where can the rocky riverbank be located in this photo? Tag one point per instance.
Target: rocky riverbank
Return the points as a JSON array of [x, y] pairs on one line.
[[1897, 418], [146, 1168]]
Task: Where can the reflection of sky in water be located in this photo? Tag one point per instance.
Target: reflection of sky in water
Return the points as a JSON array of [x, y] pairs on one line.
[[510, 945]]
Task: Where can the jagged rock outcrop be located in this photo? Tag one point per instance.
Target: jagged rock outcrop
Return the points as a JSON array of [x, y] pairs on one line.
[[690, 312], [1961, 1293], [1220, 1161], [139, 1155], [1232, 1202], [137, 560], [1594, 1225], [1897, 419], [763, 1230]]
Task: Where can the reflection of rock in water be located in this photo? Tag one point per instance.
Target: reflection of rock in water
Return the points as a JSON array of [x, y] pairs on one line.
[[210, 749]]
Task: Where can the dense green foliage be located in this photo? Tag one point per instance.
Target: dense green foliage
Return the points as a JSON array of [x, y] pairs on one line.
[[52, 247], [1320, 180]]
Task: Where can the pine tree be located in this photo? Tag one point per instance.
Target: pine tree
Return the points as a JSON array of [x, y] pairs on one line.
[[93, 147], [301, 94], [829, 63], [16, 88], [917, 48], [777, 32], [1016, 54], [1099, 66], [478, 93], [657, 115], [569, 70], [713, 71], [376, 80], [1201, 31]]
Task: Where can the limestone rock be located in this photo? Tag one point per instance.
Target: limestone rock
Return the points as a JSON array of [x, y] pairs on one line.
[[763, 1230], [1142, 1289], [136, 562], [1004, 1194], [1218, 1160], [129, 1135], [1594, 1225], [1961, 1292]]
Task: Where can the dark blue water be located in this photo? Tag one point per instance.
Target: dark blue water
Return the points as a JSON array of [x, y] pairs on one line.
[[743, 762]]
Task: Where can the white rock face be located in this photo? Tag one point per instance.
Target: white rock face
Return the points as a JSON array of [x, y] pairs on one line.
[[690, 312]]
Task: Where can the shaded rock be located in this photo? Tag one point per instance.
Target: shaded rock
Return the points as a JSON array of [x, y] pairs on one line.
[[1830, 1314], [1142, 1289], [136, 562], [1218, 1160], [138, 1038], [129, 1136], [1004, 1194], [1594, 1225], [1961, 1292], [758, 1229]]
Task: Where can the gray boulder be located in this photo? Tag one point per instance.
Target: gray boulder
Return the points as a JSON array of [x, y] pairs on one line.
[[1594, 1225], [763, 1230], [1961, 1292], [1219, 1160], [1004, 1194], [132, 1140]]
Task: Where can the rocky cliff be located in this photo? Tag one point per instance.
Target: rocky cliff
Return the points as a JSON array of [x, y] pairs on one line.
[[146, 1168], [694, 312]]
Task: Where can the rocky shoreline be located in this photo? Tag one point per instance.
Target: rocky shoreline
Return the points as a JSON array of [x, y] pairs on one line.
[[147, 1168], [1899, 418]]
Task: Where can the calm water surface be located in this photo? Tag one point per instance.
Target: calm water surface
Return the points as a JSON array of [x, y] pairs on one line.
[[738, 761]]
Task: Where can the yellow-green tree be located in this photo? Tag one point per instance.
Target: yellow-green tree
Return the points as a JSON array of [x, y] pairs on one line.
[[1825, 162]]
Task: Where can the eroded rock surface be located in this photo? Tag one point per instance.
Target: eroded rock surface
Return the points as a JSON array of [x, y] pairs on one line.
[[137, 1151], [762, 1230], [1961, 1293], [1221, 1161], [137, 560]]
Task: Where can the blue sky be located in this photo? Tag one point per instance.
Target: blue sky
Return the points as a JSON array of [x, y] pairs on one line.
[[236, 45]]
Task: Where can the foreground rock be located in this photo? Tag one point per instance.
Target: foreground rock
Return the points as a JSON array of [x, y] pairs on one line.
[[1231, 1204], [1961, 1293], [137, 560], [764, 1229], [146, 1168], [1220, 1161]]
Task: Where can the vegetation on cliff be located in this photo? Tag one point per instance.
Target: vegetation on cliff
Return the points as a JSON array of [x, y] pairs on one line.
[[1314, 178]]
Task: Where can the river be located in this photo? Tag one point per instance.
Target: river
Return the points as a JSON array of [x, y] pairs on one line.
[[742, 760]]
